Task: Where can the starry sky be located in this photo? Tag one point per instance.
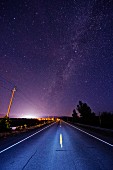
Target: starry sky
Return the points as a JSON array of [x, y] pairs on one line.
[[56, 52]]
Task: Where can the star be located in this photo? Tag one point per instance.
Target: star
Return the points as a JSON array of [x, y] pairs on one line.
[[57, 53]]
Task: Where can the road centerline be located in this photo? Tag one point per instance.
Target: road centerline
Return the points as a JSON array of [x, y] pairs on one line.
[[61, 141]]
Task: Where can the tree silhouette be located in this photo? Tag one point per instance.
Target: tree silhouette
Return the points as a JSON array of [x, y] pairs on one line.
[[74, 114], [5, 123], [106, 119], [85, 110]]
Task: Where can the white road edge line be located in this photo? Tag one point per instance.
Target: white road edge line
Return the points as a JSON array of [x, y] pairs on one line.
[[25, 138], [90, 134]]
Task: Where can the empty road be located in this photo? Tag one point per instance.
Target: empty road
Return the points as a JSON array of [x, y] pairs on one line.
[[58, 147]]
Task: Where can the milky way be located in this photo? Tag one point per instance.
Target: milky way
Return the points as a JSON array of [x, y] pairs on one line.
[[56, 53]]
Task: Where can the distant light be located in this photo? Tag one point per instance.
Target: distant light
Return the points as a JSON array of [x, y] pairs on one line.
[[29, 116], [13, 128]]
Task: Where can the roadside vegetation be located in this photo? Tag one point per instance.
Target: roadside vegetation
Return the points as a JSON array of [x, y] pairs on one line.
[[5, 124], [84, 115], [16, 125]]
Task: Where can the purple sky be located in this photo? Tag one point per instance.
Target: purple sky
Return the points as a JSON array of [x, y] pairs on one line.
[[56, 52]]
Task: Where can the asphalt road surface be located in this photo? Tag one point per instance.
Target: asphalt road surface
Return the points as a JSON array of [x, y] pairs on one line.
[[58, 147]]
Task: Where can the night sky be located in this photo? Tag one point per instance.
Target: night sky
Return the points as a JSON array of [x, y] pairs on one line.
[[56, 52]]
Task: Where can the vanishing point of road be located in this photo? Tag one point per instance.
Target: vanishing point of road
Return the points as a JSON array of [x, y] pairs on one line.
[[58, 146]]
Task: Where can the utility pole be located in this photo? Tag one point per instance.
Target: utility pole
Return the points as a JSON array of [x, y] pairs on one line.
[[11, 100]]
